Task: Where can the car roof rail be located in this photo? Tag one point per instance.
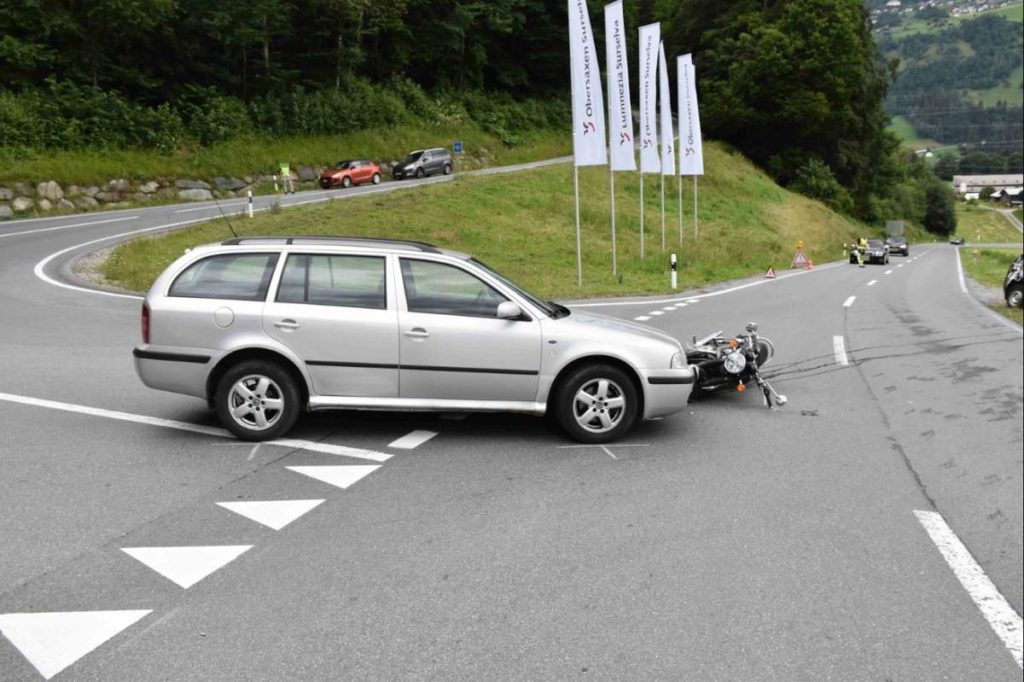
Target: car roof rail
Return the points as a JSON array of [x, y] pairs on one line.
[[341, 241]]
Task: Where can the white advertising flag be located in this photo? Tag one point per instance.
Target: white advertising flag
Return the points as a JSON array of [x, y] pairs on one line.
[[650, 37], [668, 154], [691, 153], [620, 108], [589, 136]]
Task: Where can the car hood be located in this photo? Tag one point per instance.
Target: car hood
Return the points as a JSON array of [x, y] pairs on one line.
[[596, 322]]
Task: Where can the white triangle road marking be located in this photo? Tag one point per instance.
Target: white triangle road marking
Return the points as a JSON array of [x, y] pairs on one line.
[[341, 476], [185, 566], [274, 514], [53, 641]]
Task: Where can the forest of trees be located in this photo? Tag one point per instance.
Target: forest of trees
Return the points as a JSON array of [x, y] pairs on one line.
[[796, 85], [939, 69]]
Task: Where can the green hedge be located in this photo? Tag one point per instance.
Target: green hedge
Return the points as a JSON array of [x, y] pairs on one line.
[[61, 115]]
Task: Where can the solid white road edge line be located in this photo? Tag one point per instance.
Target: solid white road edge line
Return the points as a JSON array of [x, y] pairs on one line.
[[311, 446], [849, 301], [839, 348], [695, 299], [41, 265], [997, 611], [65, 227]]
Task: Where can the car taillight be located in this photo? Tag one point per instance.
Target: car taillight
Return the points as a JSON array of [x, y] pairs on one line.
[[145, 323]]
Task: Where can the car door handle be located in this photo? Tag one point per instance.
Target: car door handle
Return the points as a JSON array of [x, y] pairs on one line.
[[287, 324], [417, 333]]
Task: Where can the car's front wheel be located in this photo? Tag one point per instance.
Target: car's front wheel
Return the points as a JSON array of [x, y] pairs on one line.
[[420, 172], [596, 403], [447, 169], [1015, 296], [257, 400], [346, 182]]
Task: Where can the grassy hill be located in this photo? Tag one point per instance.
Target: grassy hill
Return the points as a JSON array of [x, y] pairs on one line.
[[523, 225]]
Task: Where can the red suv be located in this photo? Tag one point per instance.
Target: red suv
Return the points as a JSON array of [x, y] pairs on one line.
[[351, 172]]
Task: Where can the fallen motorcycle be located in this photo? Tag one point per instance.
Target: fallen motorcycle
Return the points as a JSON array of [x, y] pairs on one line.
[[734, 362]]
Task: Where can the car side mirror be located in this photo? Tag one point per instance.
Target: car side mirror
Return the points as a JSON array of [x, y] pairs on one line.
[[507, 310]]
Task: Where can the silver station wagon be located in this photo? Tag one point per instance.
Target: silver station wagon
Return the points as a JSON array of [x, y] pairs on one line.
[[264, 328]]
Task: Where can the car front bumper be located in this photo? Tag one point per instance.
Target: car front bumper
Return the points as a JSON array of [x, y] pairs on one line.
[[666, 391]]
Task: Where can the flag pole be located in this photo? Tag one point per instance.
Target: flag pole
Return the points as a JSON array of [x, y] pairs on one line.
[[576, 191], [611, 184], [680, 210], [641, 214], [695, 229], [662, 211]]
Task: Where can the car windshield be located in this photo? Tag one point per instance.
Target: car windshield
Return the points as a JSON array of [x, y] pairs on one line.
[[896, 240], [875, 243], [409, 158], [549, 309], [342, 165]]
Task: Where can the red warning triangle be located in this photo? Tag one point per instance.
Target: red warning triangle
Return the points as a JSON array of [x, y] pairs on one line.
[[770, 274], [799, 260]]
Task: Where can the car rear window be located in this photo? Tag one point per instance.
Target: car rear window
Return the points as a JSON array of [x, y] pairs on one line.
[[235, 276], [347, 281]]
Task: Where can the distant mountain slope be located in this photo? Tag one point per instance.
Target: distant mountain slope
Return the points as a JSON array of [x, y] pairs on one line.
[[960, 77]]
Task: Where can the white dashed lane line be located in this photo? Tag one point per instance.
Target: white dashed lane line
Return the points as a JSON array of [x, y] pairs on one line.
[[849, 301], [888, 272], [997, 611], [641, 318], [872, 282], [412, 440], [839, 348]]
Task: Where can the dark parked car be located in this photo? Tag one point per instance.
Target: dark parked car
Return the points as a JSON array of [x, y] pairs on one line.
[[958, 241], [877, 252], [350, 172], [424, 162], [898, 245], [1013, 285]]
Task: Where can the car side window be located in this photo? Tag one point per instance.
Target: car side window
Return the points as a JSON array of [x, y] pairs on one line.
[[347, 281], [443, 289], [235, 276]]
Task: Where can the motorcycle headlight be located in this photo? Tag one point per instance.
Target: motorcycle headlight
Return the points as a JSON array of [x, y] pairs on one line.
[[678, 361], [734, 362]]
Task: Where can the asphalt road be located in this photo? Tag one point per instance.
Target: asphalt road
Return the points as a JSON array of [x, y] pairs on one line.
[[728, 542]]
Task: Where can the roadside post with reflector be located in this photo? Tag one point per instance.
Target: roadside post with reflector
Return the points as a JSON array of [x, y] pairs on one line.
[[672, 263]]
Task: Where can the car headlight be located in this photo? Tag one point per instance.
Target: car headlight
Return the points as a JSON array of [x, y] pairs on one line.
[[678, 361], [735, 362]]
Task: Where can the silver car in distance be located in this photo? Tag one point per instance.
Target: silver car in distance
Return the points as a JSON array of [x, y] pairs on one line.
[[266, 327]]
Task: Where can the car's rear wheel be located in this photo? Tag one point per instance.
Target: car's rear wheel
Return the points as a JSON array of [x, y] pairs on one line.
[[376, 178], [1015, 296], [596, 403], [346, 182], [257, 400]]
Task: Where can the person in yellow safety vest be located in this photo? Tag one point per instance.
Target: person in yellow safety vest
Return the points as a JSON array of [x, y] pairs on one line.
[[862, 248], [287, 186]]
